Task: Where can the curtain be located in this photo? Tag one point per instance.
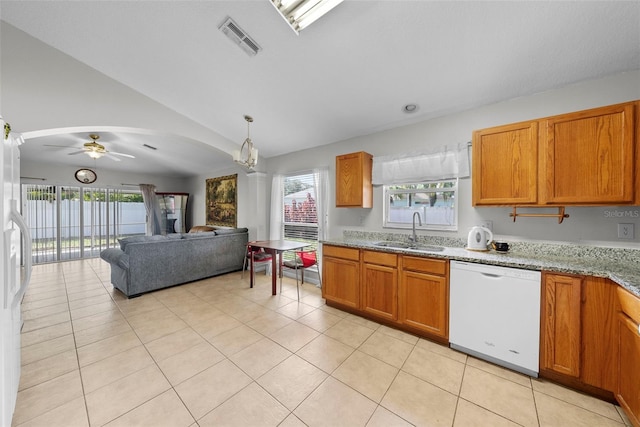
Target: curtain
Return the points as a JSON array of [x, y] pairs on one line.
[[153, 209], [444, 162], [321, 176], [276, 228]]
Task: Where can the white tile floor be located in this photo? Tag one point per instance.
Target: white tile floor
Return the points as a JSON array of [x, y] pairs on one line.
[[215, 352]]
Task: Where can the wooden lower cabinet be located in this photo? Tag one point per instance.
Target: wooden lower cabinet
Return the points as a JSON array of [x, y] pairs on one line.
[[579, 332], [560, 346], [424, 295], [599, 333], [379, 282], [628, 392], [341, 275], [406, 292]]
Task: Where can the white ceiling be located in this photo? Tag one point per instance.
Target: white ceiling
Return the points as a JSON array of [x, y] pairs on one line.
[[348, 74]]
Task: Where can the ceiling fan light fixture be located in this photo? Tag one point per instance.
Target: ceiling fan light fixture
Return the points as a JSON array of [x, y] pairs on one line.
[[299, 14], [247, 156], [94, 154]]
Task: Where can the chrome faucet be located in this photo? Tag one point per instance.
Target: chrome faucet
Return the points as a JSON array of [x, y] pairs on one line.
[[413, 237]]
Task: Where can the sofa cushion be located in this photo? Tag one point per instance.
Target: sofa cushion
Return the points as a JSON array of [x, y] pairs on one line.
[[222, 231], [199, 235], [201, 228], [137, 239]]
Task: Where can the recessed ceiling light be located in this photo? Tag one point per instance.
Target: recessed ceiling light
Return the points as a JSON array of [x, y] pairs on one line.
[[410, 108]]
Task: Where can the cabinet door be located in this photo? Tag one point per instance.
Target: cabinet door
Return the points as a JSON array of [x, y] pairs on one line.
[[341, 281], [599, 366], [629, 386], [380, 291], [424, 302], [561, 324], [353, 180], [588, 157], [505, 165]]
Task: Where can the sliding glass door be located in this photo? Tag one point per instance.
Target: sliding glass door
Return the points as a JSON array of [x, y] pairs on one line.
[[79, 222]]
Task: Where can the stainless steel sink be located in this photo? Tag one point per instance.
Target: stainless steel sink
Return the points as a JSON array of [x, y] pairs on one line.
[[392, 244], [427, 248], [408, 245]]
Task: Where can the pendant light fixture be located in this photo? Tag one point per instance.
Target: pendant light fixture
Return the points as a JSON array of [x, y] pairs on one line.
[[247, 155]]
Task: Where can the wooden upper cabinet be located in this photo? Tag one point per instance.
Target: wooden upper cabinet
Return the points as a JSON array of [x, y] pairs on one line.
[[505, 165], [560, 326], [588, 156], [353, 180]]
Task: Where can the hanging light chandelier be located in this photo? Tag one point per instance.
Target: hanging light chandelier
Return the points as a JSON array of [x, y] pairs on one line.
[[247, 155]]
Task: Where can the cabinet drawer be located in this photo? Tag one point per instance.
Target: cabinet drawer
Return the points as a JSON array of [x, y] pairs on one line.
[[630, 304], [425, 265], [341, 252], [380, 258]]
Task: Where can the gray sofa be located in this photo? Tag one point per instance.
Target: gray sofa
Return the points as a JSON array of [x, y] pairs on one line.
[[147, 263]]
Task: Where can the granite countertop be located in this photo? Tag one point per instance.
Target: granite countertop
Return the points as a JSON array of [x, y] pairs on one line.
[[620, 265]]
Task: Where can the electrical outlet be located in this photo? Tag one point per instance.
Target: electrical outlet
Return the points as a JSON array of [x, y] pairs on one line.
[[625, 231], [487, 224]]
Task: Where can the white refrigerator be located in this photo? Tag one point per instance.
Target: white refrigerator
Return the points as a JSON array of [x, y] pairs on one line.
[[15, 278]]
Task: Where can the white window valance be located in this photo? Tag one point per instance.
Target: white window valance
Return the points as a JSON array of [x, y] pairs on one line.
[[444, 162]]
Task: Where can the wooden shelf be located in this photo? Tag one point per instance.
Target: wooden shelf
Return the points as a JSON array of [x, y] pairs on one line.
[[561, 215]]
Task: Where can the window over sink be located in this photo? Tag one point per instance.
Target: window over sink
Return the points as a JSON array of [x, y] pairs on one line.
[[434, 200]]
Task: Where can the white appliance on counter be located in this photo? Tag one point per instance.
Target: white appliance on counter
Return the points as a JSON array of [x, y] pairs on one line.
[[13, 287], [495, 314]]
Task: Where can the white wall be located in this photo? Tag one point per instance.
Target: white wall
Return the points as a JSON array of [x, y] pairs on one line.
[[45, 89], [40, 173], [585, 225], [45, 174], [253, 201]]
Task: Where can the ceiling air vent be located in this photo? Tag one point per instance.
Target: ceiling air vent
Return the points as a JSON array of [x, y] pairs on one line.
[[239, 37]]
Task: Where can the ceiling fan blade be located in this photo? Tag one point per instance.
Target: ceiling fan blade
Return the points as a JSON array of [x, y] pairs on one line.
[[122, 154], [77, 152], [109, 155], [58, 146]]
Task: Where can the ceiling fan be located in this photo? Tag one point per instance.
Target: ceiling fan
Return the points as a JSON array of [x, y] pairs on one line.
[[95, 150]]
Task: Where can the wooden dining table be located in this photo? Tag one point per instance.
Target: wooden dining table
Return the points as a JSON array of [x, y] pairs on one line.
[[275, 248]]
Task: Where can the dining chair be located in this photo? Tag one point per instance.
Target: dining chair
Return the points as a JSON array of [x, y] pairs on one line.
[[260, 258], [302, 261]]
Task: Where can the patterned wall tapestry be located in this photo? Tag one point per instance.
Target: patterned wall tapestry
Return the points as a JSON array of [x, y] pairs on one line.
[[221, 201]]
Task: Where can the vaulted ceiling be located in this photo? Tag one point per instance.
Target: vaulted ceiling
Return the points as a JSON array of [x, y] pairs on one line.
[[348, 74]]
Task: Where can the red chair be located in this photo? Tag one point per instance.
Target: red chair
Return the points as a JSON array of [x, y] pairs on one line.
[[302, 260], [260, 258]]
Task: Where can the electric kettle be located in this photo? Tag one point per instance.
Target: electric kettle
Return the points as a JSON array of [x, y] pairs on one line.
[[479, 238]]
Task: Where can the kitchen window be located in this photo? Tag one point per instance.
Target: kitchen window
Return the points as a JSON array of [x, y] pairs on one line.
[[434, 200]]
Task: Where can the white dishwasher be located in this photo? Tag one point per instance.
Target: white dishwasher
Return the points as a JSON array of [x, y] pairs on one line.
[[494, 314]]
